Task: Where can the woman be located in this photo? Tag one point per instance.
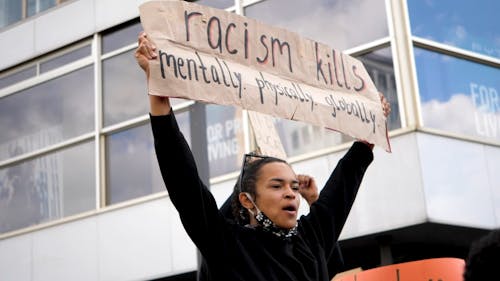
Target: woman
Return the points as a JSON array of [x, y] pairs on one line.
[[268, 243]]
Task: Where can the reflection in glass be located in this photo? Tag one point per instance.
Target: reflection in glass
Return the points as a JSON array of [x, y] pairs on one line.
[[124, 89], [225, 139], [47, 188], [341, 24], [381, 70], [299, 137], [220, 4], [65, 59], [37, 6], [132, 168], [471, 25], [121, 37], [11, 12], [47, 113], [17, 76], [458, 96]]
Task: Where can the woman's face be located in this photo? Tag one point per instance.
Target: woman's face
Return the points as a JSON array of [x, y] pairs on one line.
[[277, 194]]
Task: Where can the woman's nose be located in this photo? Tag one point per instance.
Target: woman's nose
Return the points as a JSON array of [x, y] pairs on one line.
[[289, 193]]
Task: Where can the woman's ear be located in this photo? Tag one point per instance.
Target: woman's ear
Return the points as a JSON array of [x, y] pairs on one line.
[[245, 201]]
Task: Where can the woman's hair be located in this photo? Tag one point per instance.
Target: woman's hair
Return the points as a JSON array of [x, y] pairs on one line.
[[250, 171]]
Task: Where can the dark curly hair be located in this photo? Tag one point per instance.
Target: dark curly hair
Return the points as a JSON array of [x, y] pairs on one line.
[[247, 182], [484, 258]]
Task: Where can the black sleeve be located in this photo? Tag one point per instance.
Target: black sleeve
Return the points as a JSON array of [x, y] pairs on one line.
[[194, 202], [328, 214]]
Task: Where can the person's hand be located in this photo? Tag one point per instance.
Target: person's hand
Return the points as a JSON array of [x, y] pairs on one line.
[[386, 106], [146, 51], [308, 188]]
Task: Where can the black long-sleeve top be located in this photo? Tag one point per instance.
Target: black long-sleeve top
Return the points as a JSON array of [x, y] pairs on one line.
[[235, 252]]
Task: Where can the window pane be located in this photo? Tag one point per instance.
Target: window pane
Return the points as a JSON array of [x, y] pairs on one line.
[[36, 6], [471, 25], [121, 37], [65, 59], [341, 24], [124, 89], [380, 67], [47, 113], [458, 96], [225, 139], [10, 12], [47, 188], [17, 77], [220, 4], [131, 162], [299, 137]]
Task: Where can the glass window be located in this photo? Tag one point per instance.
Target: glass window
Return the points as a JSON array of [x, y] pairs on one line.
[[120, 37], [225, 139], [131, 162], [299, 137], [341, 24], [47, 113], [47, 188], [220, 4], [380, 67], [18, 76], [471, 25], [458, 96], [124, 89], [65, 59], [10, 12], [36, 6]]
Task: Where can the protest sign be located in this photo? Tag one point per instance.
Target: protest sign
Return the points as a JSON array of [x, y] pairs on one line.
[[214, 56]]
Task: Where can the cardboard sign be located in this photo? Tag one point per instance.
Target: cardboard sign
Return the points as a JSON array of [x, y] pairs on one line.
[[439, 269], [214, 56], [266, 135]]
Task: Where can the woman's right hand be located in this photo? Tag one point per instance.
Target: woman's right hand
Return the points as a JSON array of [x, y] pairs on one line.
[[146, 51]]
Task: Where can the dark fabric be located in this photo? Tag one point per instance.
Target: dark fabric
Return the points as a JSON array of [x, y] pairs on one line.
[[234, 252]]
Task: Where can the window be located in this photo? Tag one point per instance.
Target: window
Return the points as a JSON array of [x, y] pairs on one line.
[[121, 36], [47, 113], [458, 96], [132, 168], [225, 139], [329, 22], [47, 188], [470, 25], [65, 58], [220, 4], [10, 12], [124, 89], [381, 70], [17, 76]]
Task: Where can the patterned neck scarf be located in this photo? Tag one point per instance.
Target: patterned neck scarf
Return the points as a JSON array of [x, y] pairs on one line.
[[267, 225]]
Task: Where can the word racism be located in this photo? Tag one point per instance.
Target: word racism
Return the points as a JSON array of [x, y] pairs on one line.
[[271, 49]]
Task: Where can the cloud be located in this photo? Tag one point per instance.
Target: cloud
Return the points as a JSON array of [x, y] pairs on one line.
[[458, 115], [450, 115]]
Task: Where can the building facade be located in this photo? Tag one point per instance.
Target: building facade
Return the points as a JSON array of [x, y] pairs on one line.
[[81, 197]]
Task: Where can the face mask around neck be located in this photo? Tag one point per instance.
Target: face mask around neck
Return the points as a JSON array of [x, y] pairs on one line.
[[267, 225]]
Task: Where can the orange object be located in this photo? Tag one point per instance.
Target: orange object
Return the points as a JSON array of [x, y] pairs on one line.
[[439, 269]]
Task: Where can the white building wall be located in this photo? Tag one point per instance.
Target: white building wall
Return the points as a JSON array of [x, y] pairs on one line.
[[60, 26]]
